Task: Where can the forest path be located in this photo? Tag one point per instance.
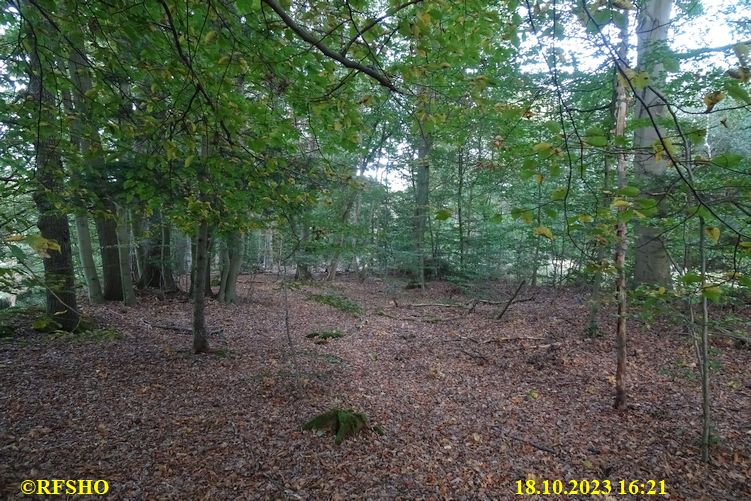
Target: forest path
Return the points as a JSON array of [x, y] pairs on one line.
[[469, 404]]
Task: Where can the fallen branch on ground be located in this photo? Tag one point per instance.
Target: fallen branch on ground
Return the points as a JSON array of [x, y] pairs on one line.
[[516, 293], [182, 329], [536, 446]]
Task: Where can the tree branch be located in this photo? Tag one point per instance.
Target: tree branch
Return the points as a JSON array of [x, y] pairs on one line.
[[327, 51]]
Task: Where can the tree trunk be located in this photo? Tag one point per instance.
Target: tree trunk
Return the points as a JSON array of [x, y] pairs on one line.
[[150, 248], [168, 275], [652, 264], [302, 264], [422, 186], [234, 255], [207, 290], [123, 240], [107, 233], [93, 286], [53, 224], [268, 249], [200, 340], [621, 109]]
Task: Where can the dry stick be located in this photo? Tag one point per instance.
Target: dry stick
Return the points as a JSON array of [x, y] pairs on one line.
[[536, 446], [475, 356], [516, 293], [181, 329]]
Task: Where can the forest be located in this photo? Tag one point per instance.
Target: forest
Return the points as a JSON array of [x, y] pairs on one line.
[[375, 249]]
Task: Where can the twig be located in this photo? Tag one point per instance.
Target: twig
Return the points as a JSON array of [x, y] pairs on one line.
[[182, 329], [475, 356], [516, 293], [536, 446], [445, 305]]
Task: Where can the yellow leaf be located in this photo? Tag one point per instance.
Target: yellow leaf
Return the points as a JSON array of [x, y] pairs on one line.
[[224, 60], [711, 99], [544, 231], [539, 178], [585, 218], [713, 232], [619, 202], [540, 147]]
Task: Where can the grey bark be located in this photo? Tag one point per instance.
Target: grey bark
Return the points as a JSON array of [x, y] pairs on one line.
[[233, 254], [85, 250], [123, 240], [652, 265]]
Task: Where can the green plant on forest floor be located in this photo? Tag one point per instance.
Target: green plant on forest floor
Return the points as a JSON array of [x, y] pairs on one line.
[[324, 336], [341, 303], [342, 423]]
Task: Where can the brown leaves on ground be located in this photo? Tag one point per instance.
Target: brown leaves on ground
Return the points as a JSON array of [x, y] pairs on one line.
[[469, 405]]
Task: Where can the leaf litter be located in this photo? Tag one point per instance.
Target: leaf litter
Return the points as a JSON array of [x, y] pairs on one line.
[[467, 404]]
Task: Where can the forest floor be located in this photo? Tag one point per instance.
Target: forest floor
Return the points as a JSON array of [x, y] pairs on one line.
[[468, 404]]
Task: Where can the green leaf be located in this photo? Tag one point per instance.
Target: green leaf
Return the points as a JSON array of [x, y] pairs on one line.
[[443, 214], [697, 136], [17, 252], [728, 160], [629, 191], [559, 194], [737, 92], [691, 278]]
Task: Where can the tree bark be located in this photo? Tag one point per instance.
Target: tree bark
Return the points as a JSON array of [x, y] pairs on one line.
[[200, 340], [52, 222], [123, 240], [621, 109], [107, 233], [85, 249], [233, 259], [422, 187], [652, 265]]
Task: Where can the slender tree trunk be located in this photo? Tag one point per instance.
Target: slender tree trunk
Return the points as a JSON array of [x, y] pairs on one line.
[[210, 241], [137, 223], [459, 194], [168, 275], [200, 339], [621, 109], [704, 358], [52, 223], [85, 249], [123, 240], [422, 187], [234, 255], [652, 264], [268, 249]]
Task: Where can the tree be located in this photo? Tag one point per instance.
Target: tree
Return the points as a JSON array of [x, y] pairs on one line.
[[652, 264], [53, 223]]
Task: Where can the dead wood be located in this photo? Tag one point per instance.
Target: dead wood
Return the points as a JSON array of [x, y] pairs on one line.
[[516, 293]]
